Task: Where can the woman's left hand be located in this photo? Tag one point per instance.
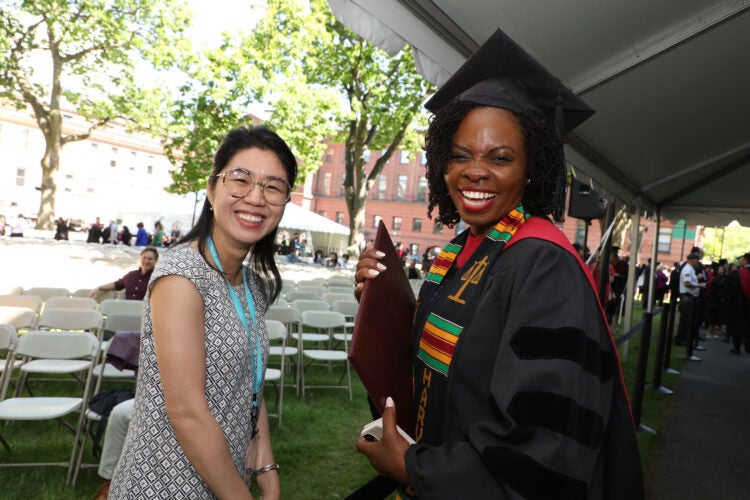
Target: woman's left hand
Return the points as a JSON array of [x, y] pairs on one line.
[[387, 455]]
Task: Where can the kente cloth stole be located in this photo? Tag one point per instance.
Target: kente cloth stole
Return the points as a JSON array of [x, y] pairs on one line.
[[445, 309]]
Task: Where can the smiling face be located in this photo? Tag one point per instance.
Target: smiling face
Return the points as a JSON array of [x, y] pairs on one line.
[[246, 220], [486, 174], [148, 261]]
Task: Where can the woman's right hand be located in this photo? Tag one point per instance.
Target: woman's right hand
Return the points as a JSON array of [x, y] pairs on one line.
[[368, 267]]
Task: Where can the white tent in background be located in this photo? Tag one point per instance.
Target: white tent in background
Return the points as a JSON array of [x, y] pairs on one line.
[[325, 234]]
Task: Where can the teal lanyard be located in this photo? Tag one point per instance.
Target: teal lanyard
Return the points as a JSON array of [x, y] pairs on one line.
[[258, 375]]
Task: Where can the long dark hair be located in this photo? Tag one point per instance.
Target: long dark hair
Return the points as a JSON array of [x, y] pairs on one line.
[[545, 169], [262, 255]]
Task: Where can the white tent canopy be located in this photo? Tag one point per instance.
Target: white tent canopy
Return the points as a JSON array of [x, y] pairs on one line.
[[325, 233], [670, 83]]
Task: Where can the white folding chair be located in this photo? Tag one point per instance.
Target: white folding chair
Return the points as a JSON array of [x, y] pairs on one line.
[[288, 284], [311, 282], [280, 301], [79, 350], [116, 322], [299, 295], [22, 318], [65, 302], [113, 306], [342, 281], [46, 292], [82, 292], [277, 335], [314, 289], [331, 297], [70, 319], [303, 305], [8, 343], [349, 309], [341, 289], [325, 321], [33, 302], [61, 321]]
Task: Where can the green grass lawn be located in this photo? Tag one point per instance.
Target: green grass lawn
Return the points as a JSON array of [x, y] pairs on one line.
[[314, 446]]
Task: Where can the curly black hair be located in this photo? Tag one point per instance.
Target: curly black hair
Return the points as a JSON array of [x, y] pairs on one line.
[[545, 167]]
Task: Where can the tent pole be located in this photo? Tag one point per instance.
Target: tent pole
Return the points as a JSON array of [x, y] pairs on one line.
[[630, 290]]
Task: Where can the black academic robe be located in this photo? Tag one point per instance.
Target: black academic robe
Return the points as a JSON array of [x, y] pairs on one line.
[[531, 404]]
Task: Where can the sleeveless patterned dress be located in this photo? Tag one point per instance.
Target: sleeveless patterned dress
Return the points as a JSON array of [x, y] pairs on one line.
[[153, 465]]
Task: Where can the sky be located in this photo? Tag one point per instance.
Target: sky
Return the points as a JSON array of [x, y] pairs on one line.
[[212, 17]]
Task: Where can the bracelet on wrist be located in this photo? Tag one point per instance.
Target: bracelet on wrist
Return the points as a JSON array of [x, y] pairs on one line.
[[263, 470]]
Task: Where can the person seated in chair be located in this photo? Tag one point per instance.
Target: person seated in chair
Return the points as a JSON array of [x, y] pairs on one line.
[[135, 282]]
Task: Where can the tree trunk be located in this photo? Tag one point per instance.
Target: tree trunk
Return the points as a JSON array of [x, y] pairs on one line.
[[50, 167]]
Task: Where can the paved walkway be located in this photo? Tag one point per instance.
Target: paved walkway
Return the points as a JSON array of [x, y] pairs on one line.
[[704, 448]]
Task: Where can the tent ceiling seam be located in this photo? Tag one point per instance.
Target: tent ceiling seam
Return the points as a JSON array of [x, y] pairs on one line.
[[441, 25], [660, 48]]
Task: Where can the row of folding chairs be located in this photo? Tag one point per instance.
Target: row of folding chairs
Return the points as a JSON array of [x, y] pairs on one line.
[[66, 342], [335, 280], [46, 292], [320, 331], [24, 311], [51, 353]]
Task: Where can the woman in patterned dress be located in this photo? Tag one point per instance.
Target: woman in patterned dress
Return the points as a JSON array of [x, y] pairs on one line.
[[199, 427]]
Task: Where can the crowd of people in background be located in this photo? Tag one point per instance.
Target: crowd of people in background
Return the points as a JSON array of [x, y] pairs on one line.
[[116, 233]]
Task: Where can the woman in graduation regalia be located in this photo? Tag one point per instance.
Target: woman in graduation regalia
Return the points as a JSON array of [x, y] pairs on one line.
[[518, 391]]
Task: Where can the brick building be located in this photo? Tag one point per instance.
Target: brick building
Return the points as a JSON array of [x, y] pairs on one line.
[[399, 195]]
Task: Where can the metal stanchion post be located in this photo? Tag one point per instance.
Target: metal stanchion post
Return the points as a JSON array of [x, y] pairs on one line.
[[640, 374], [661, 345], [670, 336], [692, 333]]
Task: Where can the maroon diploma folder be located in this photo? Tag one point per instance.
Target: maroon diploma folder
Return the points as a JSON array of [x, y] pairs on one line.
[[381, 349]]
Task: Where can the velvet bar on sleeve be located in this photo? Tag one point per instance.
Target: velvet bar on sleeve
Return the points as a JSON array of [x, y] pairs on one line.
[[530, 403]]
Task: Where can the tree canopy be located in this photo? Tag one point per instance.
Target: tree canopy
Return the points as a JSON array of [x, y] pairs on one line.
[[90, 56], [321, 81]]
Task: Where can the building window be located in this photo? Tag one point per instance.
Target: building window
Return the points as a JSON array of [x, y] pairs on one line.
[[340, 217], [20, 177], [382, 187], [94, 146], [416, 225], [665, 240], [423, 159], [113, 163], [366, 155], [133, 158], [396, 224], [414, 250], [437, 228], [401, 188], [322, 213], [150, 169], [328, 158], [404, 160], [325, 190], [421, 189], [376, 220], [342, 191], [114, 151], [580, 231]]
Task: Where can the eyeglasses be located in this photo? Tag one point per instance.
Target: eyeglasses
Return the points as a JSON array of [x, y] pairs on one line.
[[240, 183]]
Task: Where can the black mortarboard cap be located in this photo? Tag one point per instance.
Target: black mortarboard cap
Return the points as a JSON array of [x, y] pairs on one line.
[[501, 74]]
